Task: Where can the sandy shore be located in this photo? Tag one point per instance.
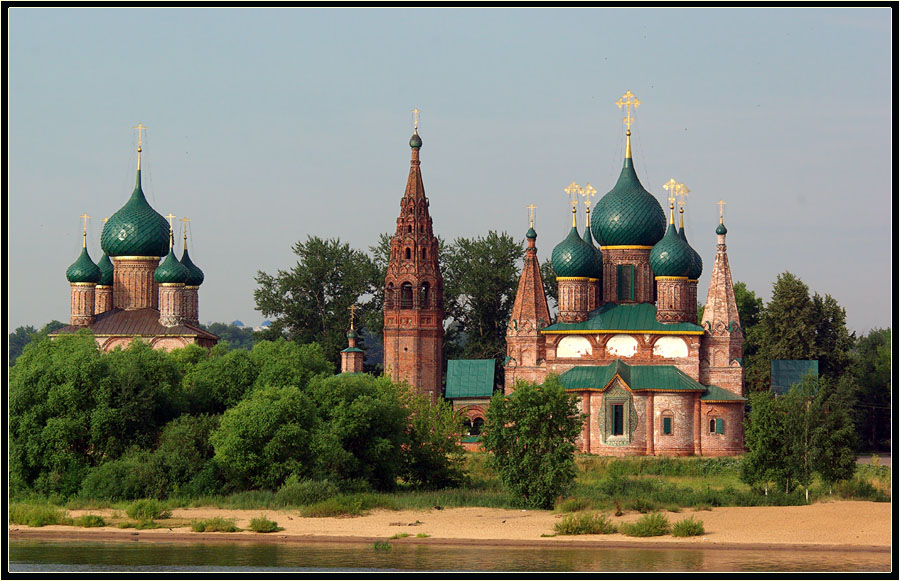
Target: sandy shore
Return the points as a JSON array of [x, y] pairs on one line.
[[841, 525]]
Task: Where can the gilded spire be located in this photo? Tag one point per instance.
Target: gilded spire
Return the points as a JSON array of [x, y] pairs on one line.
[[681, 191], [573, 190], [140, 128], [721, 205], [352, 309], [415, 113], [628, 100], [531, 208], [171, 217], [185, 229], [671, 186], [587, 192], [84, 217]]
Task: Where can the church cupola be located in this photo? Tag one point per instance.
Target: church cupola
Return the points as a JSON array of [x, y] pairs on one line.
[[170, 276], [627, 222], [414, 289], [83, 276], [103, 294], [191, 293], [577, 272], [697, 266], [352, 356], [671, 261]]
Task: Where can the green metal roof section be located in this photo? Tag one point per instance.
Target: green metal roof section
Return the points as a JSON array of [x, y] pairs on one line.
[[572, 257], [352, 350], [171, 271], [628, 214], [615, 317], [470, 378], [136, 229], [83, 269], [106, 270], [714, 393], [195, 277], [697, 267], [636, 377], [788, 372], [671, 256]]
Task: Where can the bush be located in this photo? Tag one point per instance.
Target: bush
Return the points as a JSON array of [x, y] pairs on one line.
[[37, 515], [860, 489], [585, 524], [263, 525], [89, 520], [688, 528], [574, 504], [296, 492], [642, 506], [214, 525], [138, 474], [650, 525], [348, 505], [147, 509]]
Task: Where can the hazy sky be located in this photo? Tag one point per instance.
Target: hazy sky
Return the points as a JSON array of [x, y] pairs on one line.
[[266, 126]]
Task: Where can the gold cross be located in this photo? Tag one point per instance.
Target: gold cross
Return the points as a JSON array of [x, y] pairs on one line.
[[573, 190], [681, 191], [185, 221], [629, 101], [531, 208], [352, 309], [415, 120], [587, 191], [671, 186], [85, 218], [140, 128], [721, 205], [170, 216]]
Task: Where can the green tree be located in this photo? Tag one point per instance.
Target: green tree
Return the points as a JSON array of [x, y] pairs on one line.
[[236, 337], [872, 368], [749, 306], [434, 457], [551, 288], [531, 436], [363, 429], [265, 438], [480, 280], [833, 341], [767, 437], [22, 336], [220, 381], [310, 303], [283, 363], [833, 439]]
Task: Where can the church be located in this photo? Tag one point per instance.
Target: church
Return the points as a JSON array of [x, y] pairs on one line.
[[129, 294], [648, 378]]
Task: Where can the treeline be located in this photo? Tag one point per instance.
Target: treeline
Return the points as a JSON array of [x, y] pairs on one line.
[[139, 422]]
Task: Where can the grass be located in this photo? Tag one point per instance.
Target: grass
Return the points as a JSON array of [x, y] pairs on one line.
[[585, 523], [654, 524], [688, 528], [400, 536], [147, 509], [261, 524], [90, 520], [139, 524], [214, 525], [37, 515]]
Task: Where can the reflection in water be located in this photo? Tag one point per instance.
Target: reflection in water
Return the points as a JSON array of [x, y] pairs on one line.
[[171, 557]]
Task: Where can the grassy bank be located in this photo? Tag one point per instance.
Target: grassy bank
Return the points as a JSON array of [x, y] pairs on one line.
[[644, 484]]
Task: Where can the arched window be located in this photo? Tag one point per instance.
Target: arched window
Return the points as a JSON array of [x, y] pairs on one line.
[[424, 295], [409, 229], [406, 296], [408, 254], [424, 253], [477, 424]]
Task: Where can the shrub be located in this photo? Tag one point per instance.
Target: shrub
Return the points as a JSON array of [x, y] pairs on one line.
[[214, 525], [642, 506], [263, 525], [147, 509], [37, 515], [574, 504], [585, 524], [650, 525], [296, 492], [89, 520], [688, 528], [860, 489]]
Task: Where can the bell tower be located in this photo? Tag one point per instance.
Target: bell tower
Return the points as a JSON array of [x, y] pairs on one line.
[[413, 299]]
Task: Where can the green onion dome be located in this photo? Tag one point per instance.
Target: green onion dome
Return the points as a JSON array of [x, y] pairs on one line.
[[598, 256], [721, 229], [136, 229], [628, 215], [415, 141], [671, 256], [573, 258], [106, 270], [171, 271], [83, 269], [697, 266], [531, 234], [351, 334], [195, 275]]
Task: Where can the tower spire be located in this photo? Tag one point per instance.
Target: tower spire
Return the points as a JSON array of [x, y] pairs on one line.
[[629, 101], [84, 236], [140, 128]]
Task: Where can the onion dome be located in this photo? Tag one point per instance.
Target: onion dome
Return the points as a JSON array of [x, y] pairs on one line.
[[351, 334], [628, 215], [106, 270], [195, 275], [573, 258], [83, 269], [697, 266], [671, 256], [721, 229], [415, 141], [171, 271], [598, 256], [136, 229], [531, 234]]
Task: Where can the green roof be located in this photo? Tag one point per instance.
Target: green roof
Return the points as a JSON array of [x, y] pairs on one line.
[[84, 269], [352, 350], [628, 214], [573, 258], [470, 378], [136, 229], [614, 317], [636, 377], [716, 393]]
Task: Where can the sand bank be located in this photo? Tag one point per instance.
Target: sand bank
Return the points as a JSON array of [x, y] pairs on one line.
[[840, 525]]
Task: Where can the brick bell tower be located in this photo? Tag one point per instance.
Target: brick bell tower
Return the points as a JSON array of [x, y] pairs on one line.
[[414, 287]]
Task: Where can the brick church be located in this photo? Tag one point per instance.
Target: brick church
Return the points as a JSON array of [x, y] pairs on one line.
[[625, 341], [129, 294]]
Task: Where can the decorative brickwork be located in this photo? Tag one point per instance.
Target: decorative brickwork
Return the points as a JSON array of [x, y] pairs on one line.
[[352, 356], [577, 296], [133, 283], [82, 312], [103, 298], [673, 300], [190, 304], [414, 289], [636, 285], [170, 304]]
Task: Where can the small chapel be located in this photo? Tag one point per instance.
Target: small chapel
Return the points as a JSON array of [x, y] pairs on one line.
[[626, 342], [129, 294]]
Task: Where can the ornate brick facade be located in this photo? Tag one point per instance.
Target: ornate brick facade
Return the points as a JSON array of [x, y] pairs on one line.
[[103, 298], [133, 283], [82, 304], [637, 284], [673, 300], [577, 297], [170, 304], [414, 288]]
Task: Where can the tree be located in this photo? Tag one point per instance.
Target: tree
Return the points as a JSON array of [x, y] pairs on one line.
[[480, 280], [22, 336], [310, 303], [833, 341], [236, 337], [220, 381], [362, 431], [282, 363], [531, 436], [766, 435], [871, 365], [749, 306], [266, 437], [551, 288], [833, 439], [434, 455]]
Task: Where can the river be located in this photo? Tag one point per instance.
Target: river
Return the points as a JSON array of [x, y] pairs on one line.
[[245, 557]]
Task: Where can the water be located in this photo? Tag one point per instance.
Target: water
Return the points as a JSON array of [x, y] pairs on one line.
[[244, 557]]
